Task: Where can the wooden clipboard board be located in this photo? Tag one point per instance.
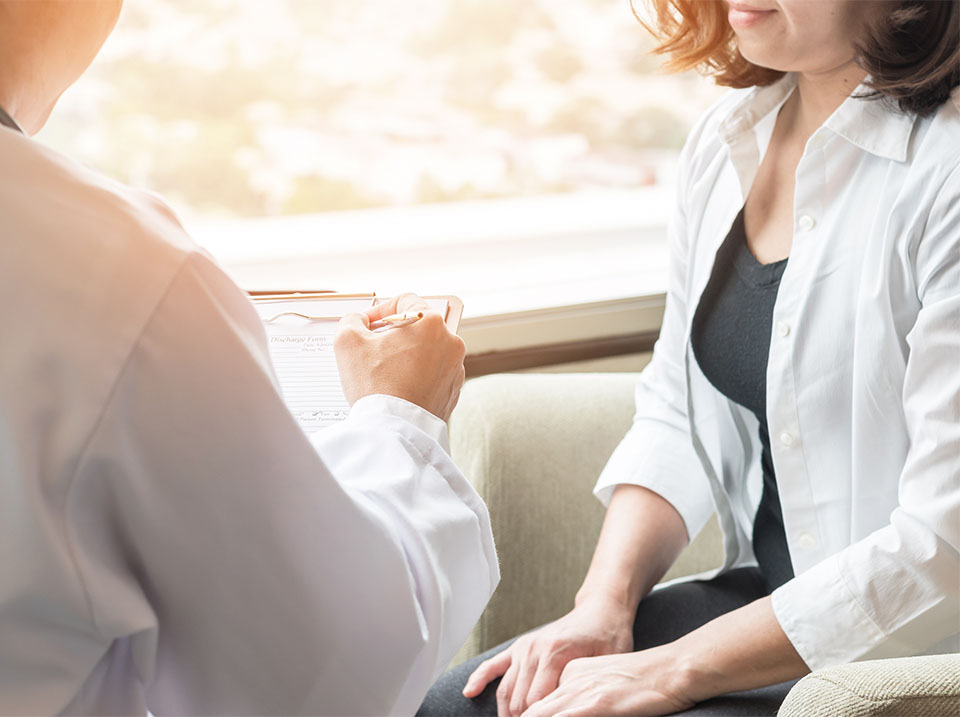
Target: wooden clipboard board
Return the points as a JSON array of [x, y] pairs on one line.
[[453, 311]]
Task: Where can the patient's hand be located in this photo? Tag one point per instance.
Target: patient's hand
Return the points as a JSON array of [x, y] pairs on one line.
[[421, 362], [531, 666], [651, 682]]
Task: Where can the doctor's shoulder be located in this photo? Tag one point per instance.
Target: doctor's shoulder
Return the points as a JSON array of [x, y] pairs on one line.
[[47, 190], [97, 259]]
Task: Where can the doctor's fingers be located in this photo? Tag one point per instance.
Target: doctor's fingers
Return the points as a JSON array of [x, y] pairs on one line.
[[353, 323], [432, 335], [397, 305]]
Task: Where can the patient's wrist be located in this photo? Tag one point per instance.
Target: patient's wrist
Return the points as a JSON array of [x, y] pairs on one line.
[[683, 676], [615, 602]]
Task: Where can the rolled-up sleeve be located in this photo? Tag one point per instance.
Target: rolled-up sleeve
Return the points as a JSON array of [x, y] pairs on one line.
[[256, 571], [897, 591]]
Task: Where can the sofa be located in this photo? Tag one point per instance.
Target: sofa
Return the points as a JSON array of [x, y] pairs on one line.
[[532, 445]]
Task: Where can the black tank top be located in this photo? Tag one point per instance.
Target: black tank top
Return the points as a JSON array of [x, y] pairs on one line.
[[731, 342]]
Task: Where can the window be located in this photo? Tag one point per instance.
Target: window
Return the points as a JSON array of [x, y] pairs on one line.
[[483, 147]]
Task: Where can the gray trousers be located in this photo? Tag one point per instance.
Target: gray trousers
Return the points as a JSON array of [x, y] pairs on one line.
[[663, 616]]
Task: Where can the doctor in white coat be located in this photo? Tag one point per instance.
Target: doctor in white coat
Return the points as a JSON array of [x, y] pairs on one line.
[[170, 540]]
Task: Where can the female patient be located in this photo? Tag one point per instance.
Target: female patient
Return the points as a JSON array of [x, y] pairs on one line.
[[805, 385]]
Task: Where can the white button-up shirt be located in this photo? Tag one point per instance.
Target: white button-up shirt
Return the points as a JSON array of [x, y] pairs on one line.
[[169, 537], [863, 378]]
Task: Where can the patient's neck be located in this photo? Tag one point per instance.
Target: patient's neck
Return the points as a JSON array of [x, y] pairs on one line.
[[819, 94]]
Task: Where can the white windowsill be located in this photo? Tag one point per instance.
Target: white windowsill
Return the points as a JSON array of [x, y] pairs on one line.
[[530, 271]]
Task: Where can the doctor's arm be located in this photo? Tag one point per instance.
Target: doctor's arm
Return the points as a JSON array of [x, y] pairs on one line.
[[255, 571]]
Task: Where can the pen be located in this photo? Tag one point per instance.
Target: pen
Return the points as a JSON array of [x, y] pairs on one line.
[[397, 320]]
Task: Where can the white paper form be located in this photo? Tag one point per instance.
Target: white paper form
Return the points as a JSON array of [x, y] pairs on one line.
[[300, 336], [302, 353]]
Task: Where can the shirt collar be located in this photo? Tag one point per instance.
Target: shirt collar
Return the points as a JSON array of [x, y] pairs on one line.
[[757, 103], [873, 125], [870, 124]]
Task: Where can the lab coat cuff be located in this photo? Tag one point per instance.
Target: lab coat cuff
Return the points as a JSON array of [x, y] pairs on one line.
[[822, 618], [383, 405], [649, 457]]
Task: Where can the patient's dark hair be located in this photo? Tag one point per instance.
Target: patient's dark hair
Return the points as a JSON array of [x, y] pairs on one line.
[[912, 53]]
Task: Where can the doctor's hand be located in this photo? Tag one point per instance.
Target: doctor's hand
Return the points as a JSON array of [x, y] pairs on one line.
[[421, 362], [532, 665]]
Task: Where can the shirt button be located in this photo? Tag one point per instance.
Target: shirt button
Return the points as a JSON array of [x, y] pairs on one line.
[[787, 438], [783, 329], [805, 540], [807, 222]]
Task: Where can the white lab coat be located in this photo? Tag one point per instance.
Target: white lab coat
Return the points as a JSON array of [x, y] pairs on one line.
[[863, 379], [169, 538]]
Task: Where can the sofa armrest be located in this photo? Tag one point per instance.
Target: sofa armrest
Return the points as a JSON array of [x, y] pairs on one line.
[[533, 445], [927, 685]]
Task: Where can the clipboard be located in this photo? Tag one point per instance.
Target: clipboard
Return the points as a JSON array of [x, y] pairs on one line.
[[335, 305], [300, 328]]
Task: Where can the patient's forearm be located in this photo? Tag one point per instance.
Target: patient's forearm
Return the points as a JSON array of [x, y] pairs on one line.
[[642, 536], [742, 650]]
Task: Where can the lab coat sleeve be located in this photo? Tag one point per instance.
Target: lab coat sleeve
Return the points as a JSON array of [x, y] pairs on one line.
[[255, 571], [657, 452], [897, 591]]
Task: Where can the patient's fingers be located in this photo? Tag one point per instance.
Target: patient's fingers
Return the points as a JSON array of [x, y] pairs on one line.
[[487, 671], [546, 680], [525, 674], [505, 690]]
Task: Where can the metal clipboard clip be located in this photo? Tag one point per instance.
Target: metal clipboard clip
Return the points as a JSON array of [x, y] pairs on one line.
[[274, 297]]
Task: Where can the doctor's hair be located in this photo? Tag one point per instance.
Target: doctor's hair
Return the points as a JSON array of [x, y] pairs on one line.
[[911, 54]]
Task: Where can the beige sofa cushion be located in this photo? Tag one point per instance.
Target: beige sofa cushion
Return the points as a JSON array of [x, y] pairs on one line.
[[915, 686], [533, 446]]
